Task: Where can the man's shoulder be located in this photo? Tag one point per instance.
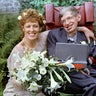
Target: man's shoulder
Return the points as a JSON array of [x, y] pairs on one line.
[[56, 30], [81, 33]]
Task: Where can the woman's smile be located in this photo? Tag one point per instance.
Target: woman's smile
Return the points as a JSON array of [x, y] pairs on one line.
[[31, 30]]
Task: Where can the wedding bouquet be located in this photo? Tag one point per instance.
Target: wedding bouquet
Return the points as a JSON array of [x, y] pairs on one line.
[[36, 71]]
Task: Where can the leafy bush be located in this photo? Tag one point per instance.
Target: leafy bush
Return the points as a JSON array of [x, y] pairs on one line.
[[9, 37], [39, 4]]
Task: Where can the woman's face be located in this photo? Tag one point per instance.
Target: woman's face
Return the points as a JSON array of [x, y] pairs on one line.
[[31, 30]]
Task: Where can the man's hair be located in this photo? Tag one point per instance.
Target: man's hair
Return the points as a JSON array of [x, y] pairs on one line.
[[71, 9]]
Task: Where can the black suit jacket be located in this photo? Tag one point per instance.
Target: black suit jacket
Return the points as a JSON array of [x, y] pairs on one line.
[[60, 35]]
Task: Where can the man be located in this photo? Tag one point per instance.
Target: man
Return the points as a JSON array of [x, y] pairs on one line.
[[82, 82]]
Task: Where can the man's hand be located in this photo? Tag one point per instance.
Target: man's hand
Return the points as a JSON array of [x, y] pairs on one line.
[[88, 33]]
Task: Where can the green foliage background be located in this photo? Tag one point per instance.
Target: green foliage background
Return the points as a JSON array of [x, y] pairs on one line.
[[9, 37], [10, 33], [39, 4]]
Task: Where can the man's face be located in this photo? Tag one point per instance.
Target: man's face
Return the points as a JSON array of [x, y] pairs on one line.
[[70, 22]]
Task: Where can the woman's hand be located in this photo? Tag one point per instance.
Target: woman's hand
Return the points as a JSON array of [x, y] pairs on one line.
[[88, 33]]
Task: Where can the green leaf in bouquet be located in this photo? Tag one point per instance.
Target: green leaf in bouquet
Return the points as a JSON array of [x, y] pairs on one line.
[[58, 76], [67, 77]]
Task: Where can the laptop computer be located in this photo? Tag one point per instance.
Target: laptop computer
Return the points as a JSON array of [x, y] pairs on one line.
[[79, 52]]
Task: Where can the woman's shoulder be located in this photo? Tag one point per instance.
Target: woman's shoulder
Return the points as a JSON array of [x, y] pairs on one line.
[[42, 40], [17, 48], [44, 33], [16, 51]]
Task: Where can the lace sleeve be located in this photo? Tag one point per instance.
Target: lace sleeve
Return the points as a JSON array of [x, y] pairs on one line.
[[11, 61]]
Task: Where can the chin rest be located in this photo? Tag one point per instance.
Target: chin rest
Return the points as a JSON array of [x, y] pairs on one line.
[[53, 21]]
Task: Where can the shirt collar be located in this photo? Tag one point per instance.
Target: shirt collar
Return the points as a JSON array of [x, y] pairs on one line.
[[74, 38]]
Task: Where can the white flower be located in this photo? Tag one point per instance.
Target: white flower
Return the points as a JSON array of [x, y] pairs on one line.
[[32, 64], [44, 21], [43, 70], [35, 55], [54, 84], [38, 77], [94, 42], [35, 67], [53, 62], [83, 42], [24, 13], [68, 63], [17, 57], [24, 63], [40, 14], [36, 71], [19, 17], [27, 63], [45, 62], [33, 86], [22, 75]]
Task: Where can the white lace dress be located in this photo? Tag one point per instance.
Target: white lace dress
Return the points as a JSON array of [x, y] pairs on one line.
[[12, 87]]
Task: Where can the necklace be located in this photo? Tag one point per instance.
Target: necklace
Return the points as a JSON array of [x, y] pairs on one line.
[[27, 47]]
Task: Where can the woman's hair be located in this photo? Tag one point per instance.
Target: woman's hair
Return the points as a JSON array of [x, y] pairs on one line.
[[71, 9], [30, 15]]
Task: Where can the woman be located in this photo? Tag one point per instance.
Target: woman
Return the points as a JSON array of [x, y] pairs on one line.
[[31, 24]]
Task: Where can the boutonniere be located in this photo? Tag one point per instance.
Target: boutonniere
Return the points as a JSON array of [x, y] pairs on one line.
[[94, 42], [83, 42]]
